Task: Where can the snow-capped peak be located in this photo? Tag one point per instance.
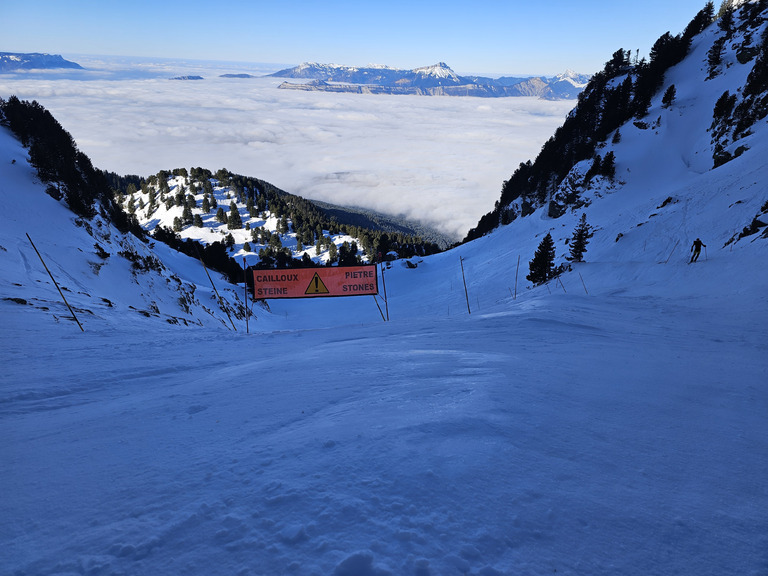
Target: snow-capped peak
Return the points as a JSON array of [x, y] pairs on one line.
[[439, 70]]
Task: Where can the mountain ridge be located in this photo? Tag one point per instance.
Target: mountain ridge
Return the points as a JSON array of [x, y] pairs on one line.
[[12, 61], [438, 79]]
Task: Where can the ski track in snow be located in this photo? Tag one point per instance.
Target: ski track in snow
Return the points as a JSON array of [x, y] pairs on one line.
[[402, 449]]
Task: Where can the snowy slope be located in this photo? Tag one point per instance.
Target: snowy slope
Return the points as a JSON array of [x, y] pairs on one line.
[[93, 262], [610, 423]]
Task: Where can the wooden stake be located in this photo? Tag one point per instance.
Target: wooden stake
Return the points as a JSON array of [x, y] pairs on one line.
[[516, 271], [56, 284]]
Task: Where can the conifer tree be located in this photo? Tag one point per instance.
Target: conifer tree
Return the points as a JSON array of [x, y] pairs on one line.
[[669, 96], [542, 267], [234, 222], [608, 166], [581, 236]]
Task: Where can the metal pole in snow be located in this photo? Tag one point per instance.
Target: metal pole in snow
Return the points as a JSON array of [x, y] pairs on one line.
[[384, 285], [245, 287], [582, 283], [379, 307], [56, 284], [516, 271], [221, 302], [466, 294], [673, 249]]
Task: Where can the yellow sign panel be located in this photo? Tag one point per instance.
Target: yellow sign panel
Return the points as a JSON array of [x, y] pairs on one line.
[[316, 286]]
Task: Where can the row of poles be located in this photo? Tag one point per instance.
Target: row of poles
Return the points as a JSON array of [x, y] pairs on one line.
[[517, 271], [384, 316]]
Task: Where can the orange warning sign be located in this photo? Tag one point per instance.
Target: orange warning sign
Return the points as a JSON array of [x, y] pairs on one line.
[[314, 282]]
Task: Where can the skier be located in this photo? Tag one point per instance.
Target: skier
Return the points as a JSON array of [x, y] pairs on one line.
[[696, 249]]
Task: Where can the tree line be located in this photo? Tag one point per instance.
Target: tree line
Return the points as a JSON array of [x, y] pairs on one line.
[[66, 171], [295, 214]]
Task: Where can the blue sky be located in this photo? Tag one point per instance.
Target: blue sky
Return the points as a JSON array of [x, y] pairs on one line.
[[490, 37]]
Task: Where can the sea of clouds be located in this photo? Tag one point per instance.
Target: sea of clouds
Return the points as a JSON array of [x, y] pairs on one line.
[[439, 160]]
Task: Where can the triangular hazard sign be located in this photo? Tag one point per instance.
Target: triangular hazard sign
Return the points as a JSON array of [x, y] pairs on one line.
[[316, 286]]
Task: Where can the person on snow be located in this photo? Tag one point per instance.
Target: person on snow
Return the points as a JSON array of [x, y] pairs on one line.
[[696, 249]]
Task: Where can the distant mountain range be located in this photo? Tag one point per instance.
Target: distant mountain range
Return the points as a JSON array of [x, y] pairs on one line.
[[12, 61], [437, 80]]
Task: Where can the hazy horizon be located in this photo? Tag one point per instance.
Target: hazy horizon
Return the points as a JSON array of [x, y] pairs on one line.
[[486, 36]]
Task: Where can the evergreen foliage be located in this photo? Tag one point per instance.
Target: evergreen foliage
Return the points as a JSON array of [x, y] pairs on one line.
[[715, 57], [669, 96], [234, 222], [542, 267], [581, 235], [348, 254]]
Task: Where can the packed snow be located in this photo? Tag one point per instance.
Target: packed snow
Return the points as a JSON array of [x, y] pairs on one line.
[[611, 422]]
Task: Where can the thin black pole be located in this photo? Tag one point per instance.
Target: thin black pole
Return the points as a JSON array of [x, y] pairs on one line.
[[379, 307], [56, 284], [582, 283], [384, 284], [221, 302], [673, 250], [245, 288], [466, 294]]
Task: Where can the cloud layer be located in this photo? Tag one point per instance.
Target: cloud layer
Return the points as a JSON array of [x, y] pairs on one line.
[[441, 160]]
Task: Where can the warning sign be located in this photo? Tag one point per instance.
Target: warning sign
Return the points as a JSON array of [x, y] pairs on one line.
[[315, 282], [316, 286]]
